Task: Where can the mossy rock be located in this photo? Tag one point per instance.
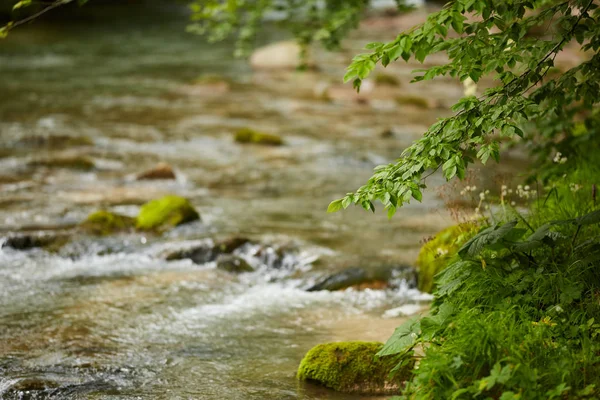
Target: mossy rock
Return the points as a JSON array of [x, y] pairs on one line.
[[352, 367], [76, 162], [386, 80], [164, 213], [436, 253], [415, 101], [105, 223], [233, 264], [247, 135]]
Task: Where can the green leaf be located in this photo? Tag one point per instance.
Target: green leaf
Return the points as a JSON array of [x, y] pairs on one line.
[[403, 338], [486, 237], [335, 206]]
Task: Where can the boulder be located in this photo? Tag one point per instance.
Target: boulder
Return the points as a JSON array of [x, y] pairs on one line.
[[247, 135], [280, 55], [160, 171], [105, 223], [381, 277], [232, 263], [352, 367], [435, 254], [164, 213]]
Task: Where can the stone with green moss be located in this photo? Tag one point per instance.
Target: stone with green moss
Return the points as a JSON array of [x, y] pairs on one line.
[[247, 135], [415, 101], [233, 264], [76, 162], [105, 223], [352, 367], [436, 253], [386, 80], [164, 213]]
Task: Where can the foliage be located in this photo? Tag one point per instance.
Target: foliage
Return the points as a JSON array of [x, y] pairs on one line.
[[353, 368], [517, 313], [491, 38], [434, 254]]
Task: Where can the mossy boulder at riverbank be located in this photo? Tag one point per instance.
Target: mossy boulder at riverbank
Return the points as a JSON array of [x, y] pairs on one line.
[[352, 367], [247, 135], [105, 223], [436, 253], [164, 213]]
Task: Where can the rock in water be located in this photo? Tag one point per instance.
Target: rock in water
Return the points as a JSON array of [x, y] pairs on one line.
[[106, 223], [280, 55], [48, 241], [365, 277], [160, 171], [164, 213], [352, 367], [231, 263], [247, 135]]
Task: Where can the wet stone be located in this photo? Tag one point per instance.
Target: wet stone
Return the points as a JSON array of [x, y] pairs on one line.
[[234, 264], [367, 278]]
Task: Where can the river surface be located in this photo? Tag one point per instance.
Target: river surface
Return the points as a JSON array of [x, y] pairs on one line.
[[109, 318]]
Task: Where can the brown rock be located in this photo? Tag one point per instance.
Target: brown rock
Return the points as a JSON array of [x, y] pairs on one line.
[[160, 171]]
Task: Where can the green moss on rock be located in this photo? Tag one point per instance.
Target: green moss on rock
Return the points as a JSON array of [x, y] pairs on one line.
[[415, 101], [247, 135], [386, 80], [106, 222], [77, 162], [436, 253], [164, 213], [351, 367]]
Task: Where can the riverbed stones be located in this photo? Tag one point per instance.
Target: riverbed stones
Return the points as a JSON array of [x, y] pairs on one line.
[[159, 171], [206, 252], [360, 278], [164, 213], [247, 135], [353, 367], [54, 141], [105, 223]]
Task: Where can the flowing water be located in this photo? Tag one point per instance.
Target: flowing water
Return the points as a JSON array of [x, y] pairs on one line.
[[110, 318]]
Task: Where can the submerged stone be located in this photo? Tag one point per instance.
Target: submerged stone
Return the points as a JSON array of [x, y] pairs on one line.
[[386, 80], [208, 252], [232, 263], [247, 135], [353, 367], [160, 171], [366, 278], [164, 213], [415, 101], [75, 162], [49, 241], [55, 141], [106, 222], [280, 55], [435, 254]]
